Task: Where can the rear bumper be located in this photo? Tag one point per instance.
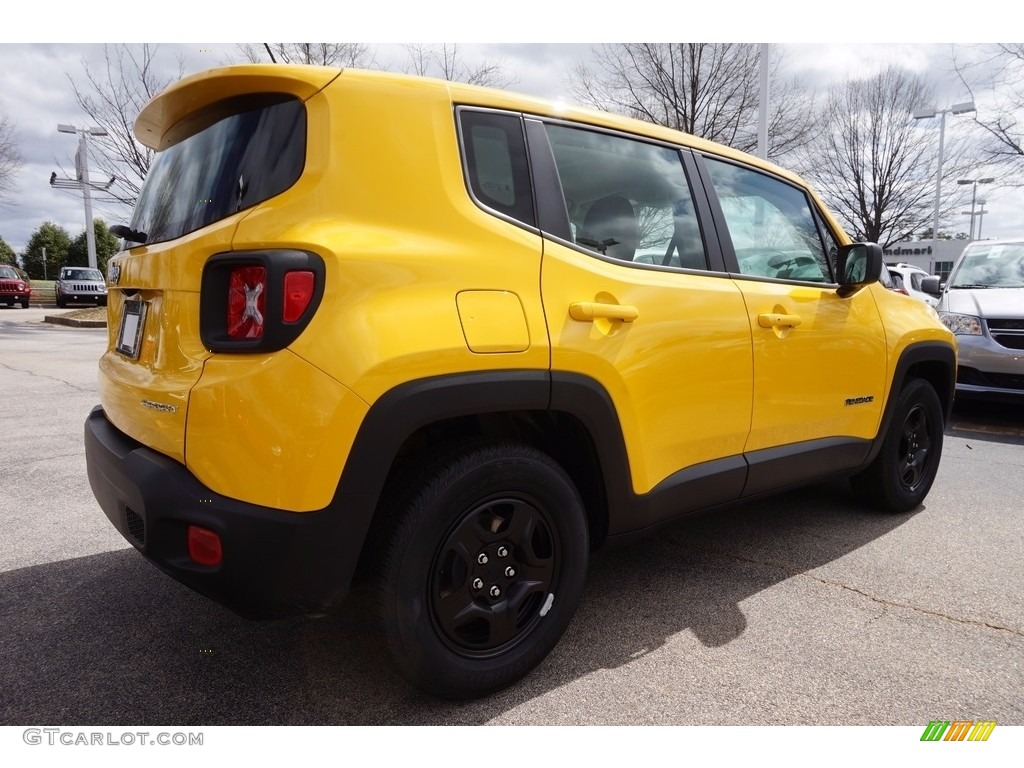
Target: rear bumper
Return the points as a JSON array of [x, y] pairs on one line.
[[274, 563]]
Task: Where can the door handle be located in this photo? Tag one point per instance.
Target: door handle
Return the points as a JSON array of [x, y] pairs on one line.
[[591, 310], [778, 320]]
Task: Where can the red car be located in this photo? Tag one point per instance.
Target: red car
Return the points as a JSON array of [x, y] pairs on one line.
[[13, 287]]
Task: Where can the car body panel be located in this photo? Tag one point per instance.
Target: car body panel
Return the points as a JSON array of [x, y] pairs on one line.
[[823, 377], [689, 345]]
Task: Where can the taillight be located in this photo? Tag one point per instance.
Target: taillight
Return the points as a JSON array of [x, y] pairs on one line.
[[258, 300], [298, 292], [247, 301]]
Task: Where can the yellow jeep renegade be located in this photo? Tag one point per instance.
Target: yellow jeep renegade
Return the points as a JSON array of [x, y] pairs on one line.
[[450, 340]]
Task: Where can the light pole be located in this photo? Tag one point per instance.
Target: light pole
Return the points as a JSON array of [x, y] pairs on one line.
[[974, 197], [922, 114], [82, 182], [981, 213], [762, 116]]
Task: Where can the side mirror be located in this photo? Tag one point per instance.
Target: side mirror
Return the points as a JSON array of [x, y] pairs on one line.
[[932, 284], [859, 264]]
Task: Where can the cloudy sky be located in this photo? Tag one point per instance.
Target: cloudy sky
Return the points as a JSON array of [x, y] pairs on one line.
[[39, 58]]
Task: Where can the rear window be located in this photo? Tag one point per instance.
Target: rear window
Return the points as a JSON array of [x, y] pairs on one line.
[[247, 151]]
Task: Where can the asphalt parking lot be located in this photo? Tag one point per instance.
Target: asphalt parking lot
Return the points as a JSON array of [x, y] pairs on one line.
[[806, 609]]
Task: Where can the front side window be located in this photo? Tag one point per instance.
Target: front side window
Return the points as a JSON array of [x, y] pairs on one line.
[[627, 200], [772, 225], [255, 151]]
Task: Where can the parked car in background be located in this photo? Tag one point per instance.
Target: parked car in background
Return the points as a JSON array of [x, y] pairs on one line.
[[891, 281], [911, 277], [14, 289], [80, 285], [983, 304]]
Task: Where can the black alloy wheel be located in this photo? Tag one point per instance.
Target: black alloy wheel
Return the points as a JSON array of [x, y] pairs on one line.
[[902, 473], [482, 560]]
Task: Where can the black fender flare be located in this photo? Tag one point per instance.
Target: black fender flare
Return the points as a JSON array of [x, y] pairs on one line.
[[935, 355]]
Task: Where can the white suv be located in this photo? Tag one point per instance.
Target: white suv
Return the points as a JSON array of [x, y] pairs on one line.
[[912, 277]]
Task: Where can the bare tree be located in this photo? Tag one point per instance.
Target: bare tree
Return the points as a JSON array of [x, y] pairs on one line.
[[706, 89], [113, 98], [999, 71], [10, 160], [321, 54], [872, 163], [446, 62]]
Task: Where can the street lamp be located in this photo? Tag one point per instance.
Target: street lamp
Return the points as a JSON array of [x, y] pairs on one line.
[[923, 114], [981, 214], [974, 195], [82, 181]]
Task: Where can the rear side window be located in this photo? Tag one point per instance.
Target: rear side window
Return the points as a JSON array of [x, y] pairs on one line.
[[497, 170], [246, 152], [627, 200], [772, 225]]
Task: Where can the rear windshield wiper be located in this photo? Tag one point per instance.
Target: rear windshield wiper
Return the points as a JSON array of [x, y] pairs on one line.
[[129, 234]]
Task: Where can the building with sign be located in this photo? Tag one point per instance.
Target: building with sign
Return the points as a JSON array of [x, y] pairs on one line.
[[936, 258]]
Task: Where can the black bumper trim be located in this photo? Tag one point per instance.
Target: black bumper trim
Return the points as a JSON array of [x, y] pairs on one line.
[[275, 562]]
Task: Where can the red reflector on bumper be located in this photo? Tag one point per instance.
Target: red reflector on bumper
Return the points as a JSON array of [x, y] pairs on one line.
[[204, 546]]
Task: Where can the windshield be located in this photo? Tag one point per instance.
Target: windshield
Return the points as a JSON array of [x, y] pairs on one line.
[[991, 266], [9, 273], [247, 152], [82, 274]]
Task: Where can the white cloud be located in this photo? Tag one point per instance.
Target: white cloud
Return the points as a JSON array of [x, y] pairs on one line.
[[36, 95]]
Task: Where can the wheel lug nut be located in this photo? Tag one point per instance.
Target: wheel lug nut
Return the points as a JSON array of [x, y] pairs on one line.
[[481, 558], [510, 571], [502, 552], [478, 583], [495, 591]]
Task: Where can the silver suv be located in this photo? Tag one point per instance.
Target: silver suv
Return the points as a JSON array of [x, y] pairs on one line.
[[983, 304], [80, 285]]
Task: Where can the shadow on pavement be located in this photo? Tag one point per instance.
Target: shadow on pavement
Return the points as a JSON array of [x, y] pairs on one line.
[[110, 640], [1000, 422]]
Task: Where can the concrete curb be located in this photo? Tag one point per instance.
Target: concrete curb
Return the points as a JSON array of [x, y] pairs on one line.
[[74, 322]]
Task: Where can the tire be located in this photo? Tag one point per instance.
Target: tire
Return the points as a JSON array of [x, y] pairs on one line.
[[60, 301], [483, 566], [24, 304], [902, 473]]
